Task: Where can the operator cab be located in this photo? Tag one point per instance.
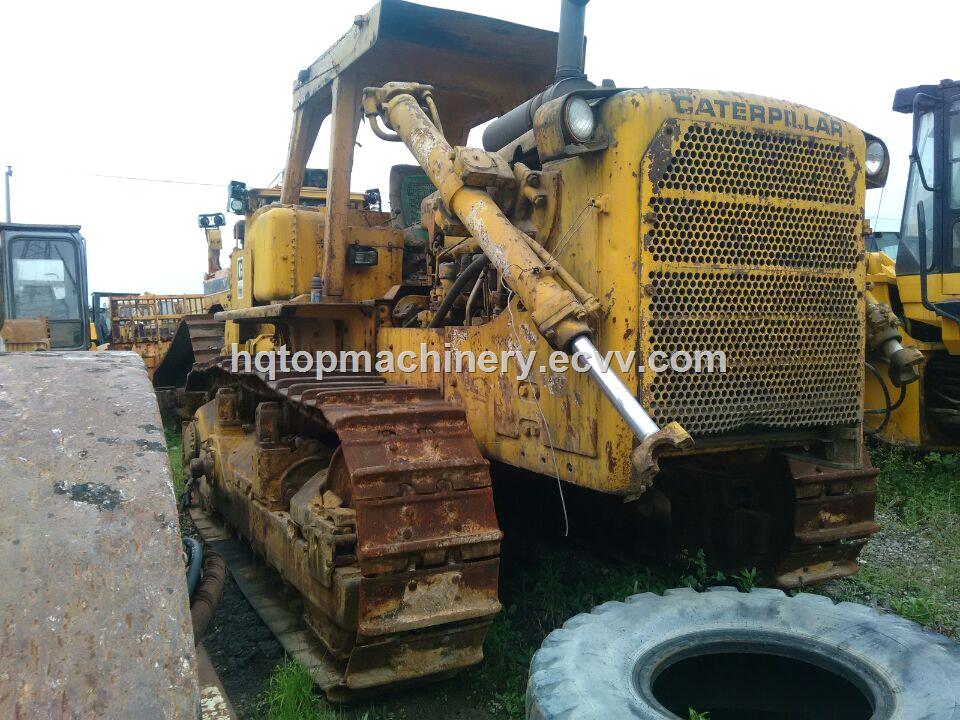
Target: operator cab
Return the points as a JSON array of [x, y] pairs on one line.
[[43, 272], [934, 182]]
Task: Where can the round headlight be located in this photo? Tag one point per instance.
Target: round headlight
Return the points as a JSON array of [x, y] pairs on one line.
[[236, 205], [876, 157], [578, 119]]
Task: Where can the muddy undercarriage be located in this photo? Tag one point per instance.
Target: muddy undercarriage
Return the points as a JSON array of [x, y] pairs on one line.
[[374, 503]]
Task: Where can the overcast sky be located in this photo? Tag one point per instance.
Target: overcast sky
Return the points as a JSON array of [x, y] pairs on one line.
[[200, 92]]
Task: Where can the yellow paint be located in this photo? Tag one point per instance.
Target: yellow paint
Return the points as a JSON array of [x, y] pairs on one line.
[[908, 424], [601, 227], [284, 241]]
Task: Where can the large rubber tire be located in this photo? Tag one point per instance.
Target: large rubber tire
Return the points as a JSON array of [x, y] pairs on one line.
[[606, 663]]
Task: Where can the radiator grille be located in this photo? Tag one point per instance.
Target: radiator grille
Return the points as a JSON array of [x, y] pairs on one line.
[[717, 159], [788, 342], [752, 248], [743, 233]]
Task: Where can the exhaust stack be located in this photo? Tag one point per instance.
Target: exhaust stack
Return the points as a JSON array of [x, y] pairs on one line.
[[570, 43], [570, 76]]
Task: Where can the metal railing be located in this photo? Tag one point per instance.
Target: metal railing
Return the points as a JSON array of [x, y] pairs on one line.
[[150, 318]]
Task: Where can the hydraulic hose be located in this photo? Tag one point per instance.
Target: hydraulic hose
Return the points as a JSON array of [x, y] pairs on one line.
[[203, 605], [194, 551], [888, 406], [466, 277]]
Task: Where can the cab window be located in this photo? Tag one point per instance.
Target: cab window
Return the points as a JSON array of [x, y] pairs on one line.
[[917, 193], [45, 279]]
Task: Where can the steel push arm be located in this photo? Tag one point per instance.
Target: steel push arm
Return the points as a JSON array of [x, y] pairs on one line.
[[558, 315]]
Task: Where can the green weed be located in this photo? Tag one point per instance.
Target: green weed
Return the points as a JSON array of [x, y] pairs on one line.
[[698, 575], [746, 580], [913, 567], [290, 696], [175, 453], [915, 489], [917, 608]]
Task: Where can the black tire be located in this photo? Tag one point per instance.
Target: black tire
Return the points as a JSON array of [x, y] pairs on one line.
[[743, 655]]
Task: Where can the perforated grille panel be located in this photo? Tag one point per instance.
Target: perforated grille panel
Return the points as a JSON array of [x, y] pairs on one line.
[[752, 248], [718, 159], [748, 234]]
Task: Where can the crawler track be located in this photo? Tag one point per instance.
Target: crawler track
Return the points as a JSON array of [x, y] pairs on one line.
[[393, 547], [832, 520]]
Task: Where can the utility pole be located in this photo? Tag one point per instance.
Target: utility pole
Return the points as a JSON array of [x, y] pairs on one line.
[[6, 182]]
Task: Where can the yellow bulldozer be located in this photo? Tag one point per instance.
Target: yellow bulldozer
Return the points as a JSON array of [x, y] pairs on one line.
[[651, 223], [914, 275]]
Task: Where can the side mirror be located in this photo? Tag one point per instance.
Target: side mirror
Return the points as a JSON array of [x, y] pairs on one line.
[[237, 197], [918, 112]]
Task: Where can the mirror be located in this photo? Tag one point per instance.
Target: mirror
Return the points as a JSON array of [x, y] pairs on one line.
[[922, 153]]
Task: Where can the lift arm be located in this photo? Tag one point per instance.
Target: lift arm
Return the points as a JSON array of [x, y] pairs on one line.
[[558, 315]]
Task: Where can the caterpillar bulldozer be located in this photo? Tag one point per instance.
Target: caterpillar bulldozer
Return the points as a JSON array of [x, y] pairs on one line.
[[914, 279], [592, 219]]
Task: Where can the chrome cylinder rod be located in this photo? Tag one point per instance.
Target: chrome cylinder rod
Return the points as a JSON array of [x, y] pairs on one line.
[[623, 400]]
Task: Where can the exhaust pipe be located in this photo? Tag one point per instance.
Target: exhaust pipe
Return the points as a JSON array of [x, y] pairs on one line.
[[569, 77], [570, 43]]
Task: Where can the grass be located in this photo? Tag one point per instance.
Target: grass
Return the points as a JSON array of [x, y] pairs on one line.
[[539, 597], [912, 568], [290, 695], [171, 430]]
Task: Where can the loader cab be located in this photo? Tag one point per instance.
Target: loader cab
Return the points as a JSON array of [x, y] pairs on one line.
[[43, 273], [934, 181]]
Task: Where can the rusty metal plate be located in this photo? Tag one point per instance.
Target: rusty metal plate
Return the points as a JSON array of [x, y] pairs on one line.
[[398, 659], [424, 598], [415, 523], [94, 610]]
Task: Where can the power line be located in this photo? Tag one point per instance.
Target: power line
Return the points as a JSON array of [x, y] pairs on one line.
[[154, 180]]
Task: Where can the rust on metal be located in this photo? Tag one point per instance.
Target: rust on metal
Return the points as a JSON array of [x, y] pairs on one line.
[[644, 460], [94, 611], [392, 541], [25, 334], [198, 339], [833, 518]]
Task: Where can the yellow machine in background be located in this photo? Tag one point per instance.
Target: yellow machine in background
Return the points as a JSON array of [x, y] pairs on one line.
[[216, 280], [593, 219], [146, 323], [43, 287], [918, 280]]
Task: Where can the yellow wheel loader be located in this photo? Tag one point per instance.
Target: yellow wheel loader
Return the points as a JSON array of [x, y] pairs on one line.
[[917, 279], [651, 223]]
